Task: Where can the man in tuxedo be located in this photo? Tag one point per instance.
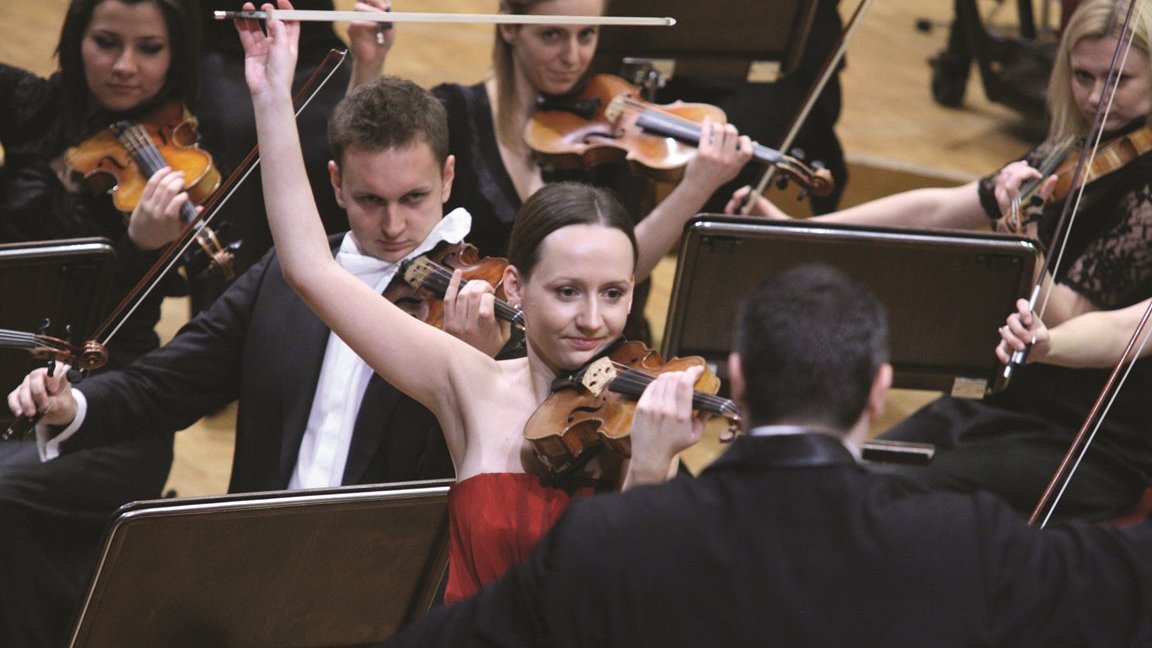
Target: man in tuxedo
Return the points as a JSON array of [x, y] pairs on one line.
[[311, 413], [786, 540]]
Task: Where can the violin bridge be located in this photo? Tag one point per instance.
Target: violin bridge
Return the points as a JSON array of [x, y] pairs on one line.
[[597, 375], [417, 272]]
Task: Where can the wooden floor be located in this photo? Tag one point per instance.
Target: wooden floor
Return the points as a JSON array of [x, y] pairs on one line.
[[895, 136]]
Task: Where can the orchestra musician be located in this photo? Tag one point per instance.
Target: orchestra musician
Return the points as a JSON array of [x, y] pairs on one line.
[[572, 261], [786, 540], [117, 59], [1012, 442], [497, 170]]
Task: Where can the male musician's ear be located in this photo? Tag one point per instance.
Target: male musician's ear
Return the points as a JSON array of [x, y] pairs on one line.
[[337, 182], [447, 175], [736, 383], [878, 393]]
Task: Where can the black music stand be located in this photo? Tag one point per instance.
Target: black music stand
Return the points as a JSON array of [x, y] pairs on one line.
[[66, 281], [946, 292], [710, 39], [346, 566]]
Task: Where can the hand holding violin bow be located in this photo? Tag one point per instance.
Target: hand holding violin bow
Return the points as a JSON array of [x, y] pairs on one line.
[[1025, 334], [38, 394], [45, 396], [370, 42]]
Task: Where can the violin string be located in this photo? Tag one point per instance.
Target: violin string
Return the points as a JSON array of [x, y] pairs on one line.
[[633, 382]]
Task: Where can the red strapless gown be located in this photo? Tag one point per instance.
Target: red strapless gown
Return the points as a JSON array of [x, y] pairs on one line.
[[494, 521]]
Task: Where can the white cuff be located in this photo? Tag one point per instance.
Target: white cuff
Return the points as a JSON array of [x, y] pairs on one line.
[[49, 445]]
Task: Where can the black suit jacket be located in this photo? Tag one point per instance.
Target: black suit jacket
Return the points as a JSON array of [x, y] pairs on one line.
[[785, 541], [259, 343]]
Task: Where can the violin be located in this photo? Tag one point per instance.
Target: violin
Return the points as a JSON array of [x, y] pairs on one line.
[[607, 121], [426, 277], [1110, 157], [121, 158], [593, 408], [91, 356]]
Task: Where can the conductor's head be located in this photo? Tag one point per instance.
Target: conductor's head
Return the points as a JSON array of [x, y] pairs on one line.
[[811, 349]]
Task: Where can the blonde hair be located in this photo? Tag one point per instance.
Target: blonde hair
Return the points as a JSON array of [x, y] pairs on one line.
[[1092, 20]]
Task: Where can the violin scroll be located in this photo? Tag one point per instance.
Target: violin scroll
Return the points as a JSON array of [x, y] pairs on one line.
[[91, 356]]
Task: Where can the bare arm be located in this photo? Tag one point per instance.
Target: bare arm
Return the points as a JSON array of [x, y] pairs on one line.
[[933, 208], [1092, 340]]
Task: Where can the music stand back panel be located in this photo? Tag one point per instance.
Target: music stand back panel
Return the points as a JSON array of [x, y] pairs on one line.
[[709, 38], [946, 292], [65, 281], [340, 567]]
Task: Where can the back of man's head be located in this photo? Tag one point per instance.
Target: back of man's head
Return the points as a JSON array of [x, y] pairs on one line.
[[810, 342], [388, 113]]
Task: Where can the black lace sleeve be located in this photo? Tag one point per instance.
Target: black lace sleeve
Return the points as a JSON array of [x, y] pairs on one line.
[[1115, 267]]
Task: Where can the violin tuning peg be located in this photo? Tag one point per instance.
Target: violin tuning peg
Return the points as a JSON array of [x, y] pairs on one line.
[[75, 375], [782, 182], [1035, 201], [797, 153], [45, 324], [68, 333], [802, 196], [817, 165], [51, 367]]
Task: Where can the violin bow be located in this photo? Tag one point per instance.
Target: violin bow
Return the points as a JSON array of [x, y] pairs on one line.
[[814, 92], [173, 253], [316, 15], [1058, 485]]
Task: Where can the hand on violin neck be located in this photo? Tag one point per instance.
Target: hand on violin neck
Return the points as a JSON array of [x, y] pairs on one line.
[[720, 155], [156, 221], [663, 426], [470, 315], [1012, 181], [370, 43], [50, 396]]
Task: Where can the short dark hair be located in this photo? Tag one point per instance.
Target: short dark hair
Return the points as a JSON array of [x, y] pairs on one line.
[[182, 17], [810, 341], [388, 113], [558, 205]]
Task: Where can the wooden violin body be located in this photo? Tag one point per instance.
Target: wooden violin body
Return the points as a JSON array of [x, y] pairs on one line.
[[1112, 156], [584, 135], [106, 160], [594, 409], [607, 121]]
